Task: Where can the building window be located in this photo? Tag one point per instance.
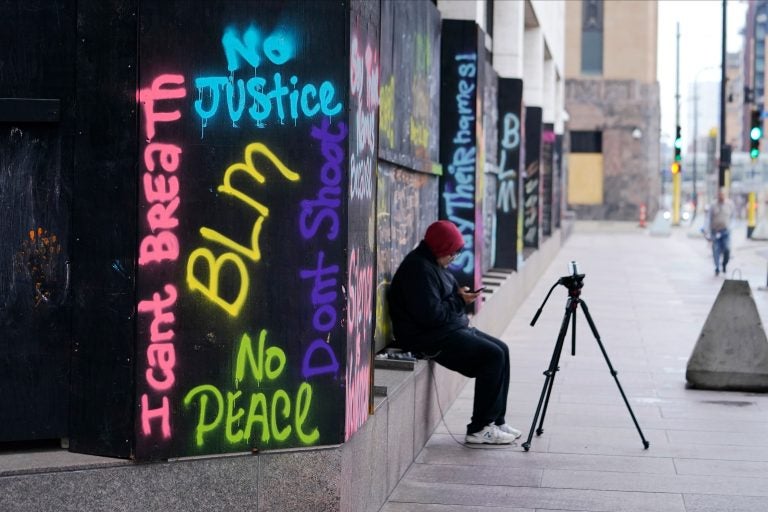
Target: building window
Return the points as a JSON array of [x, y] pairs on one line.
[[586, 142], [592, 37]]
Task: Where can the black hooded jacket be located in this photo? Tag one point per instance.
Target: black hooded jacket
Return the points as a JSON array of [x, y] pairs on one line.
[[424, 302]]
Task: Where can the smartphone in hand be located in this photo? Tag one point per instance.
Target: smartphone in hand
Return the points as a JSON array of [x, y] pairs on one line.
[[478, 290]]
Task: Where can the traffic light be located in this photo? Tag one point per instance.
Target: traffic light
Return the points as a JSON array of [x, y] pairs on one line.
[[678, 143], [675, 168], [755, 134]]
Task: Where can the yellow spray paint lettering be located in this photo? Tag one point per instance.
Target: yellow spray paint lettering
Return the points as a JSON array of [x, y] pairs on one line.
[[211, 290], [237, 251]]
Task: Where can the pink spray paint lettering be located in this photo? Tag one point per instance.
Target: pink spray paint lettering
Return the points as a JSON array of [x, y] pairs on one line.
[[364, 88], [364, 85], [359, 322], [159, 246]]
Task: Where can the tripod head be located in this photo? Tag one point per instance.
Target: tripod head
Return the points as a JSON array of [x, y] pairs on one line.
[[574, 282]]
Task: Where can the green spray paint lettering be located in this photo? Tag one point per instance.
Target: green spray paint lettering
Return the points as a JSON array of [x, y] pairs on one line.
[[270, 361], [276, 414], [270, 414]]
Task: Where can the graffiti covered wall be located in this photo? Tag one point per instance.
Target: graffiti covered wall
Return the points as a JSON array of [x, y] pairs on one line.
[[490, 172], [363, 137], [243, 177], [547, 178], [532, 179], [557, 181], [510, 134], [410, 84], [406, 204], [409, 129], [462, 143]]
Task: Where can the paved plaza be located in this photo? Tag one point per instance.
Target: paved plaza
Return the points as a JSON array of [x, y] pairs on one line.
[[649, 297]]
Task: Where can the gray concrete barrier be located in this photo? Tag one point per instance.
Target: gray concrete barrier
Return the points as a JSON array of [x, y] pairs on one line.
[[732, 350]]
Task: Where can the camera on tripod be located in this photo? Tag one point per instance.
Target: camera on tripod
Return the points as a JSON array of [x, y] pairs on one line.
[[574, 280]]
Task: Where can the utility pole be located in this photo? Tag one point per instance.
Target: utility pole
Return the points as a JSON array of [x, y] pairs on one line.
[[724, 164], [677, 165], [695, 136]]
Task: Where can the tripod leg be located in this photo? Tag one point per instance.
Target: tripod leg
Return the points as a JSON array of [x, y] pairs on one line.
[[550, 377], [584, 308], [573, 333], [559, 351]]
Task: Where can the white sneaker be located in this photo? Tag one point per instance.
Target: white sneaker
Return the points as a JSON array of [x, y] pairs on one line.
[[490, 435], [508, 429]]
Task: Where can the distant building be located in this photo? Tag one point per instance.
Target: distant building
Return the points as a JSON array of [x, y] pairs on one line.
[[735, 99], [612, 98], [704, 107], [754, 72], [703, 101]]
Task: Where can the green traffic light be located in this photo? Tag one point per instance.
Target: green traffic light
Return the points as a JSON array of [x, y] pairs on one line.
[[754, 153], [678, 143], [755, 133]]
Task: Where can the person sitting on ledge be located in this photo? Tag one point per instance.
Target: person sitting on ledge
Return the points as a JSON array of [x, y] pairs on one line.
[[427, 308]]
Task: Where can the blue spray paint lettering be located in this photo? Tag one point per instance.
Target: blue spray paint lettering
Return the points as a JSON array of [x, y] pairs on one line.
[[279, 47], [510, 141], [459, 194], [271, 96]]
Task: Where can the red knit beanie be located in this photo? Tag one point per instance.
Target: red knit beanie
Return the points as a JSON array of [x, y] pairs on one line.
[[443, 238]]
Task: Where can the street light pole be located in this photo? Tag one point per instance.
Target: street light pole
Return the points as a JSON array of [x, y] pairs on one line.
[[695, 136], [677, 166], [723, 164]]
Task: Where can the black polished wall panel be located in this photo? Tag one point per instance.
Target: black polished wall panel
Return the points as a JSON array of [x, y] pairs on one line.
[[532, 178], [462, 143], [36, 138], [508, 193], [104, 229]]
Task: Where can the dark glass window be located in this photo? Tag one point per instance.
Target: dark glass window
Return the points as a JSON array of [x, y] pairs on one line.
[[592, 37], [586, 142], [489, 17]]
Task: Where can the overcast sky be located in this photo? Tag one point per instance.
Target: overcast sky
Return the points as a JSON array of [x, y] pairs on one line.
[[700, 47]]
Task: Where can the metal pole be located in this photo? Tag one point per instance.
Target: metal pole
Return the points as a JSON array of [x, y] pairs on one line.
[[677, 76], [695, 136], [722, 166], [676, 177]]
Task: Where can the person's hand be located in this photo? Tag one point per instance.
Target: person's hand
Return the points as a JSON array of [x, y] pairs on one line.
[[467, 295]]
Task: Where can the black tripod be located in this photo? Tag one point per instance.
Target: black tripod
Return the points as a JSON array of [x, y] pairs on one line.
[[574, 283]]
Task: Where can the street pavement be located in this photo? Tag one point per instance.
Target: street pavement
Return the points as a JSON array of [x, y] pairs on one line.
[[649, 297]]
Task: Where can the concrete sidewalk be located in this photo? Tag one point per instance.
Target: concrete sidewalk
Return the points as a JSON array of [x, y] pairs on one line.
[[649, 298]]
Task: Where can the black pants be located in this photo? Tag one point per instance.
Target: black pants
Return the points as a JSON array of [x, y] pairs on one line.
[[477, 355]]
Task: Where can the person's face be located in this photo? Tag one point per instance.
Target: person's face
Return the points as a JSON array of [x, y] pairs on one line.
[[721, 196], [444, 261]]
